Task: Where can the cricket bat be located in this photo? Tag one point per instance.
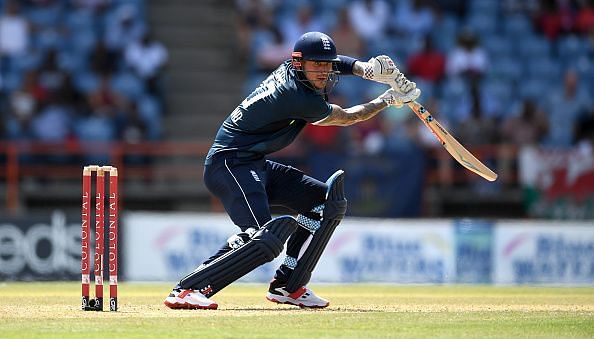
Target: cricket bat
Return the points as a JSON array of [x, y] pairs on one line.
[[461, 154]]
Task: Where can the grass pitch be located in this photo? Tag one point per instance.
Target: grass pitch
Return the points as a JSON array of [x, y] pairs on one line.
[[44, 310]]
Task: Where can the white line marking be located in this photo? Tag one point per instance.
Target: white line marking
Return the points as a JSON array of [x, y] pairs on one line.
[[242, 192]]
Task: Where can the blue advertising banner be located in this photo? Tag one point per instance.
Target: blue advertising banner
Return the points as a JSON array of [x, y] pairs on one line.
[[544, 252], [403, 251], [474, 259], [165, 247]]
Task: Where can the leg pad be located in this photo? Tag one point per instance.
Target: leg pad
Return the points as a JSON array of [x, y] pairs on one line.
[[333, 212], [265, 245]]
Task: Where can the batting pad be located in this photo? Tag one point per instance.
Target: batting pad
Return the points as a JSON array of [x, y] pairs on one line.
[[266, 244], [333, 212]]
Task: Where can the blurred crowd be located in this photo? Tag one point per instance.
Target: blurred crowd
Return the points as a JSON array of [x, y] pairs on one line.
[[79, 70], [493, 72]]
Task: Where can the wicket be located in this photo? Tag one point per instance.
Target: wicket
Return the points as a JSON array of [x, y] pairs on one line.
[[100, 171]]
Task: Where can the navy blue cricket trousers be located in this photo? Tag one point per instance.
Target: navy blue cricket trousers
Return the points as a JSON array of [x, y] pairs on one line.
[[247, 189]]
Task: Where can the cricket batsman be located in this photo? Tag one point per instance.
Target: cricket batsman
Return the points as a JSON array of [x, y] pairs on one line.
[[238, 173]]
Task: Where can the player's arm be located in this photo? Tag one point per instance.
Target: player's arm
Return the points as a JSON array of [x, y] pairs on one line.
[[347, 116]]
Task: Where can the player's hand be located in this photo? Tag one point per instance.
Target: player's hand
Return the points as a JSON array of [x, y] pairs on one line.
[[394, 98], [402, 85], [380, 69]]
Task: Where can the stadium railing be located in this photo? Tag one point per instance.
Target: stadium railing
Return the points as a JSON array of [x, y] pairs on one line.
[[174, 168]]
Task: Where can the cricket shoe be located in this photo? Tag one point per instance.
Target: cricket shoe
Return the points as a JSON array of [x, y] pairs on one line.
[[303, 297], [189, 299]]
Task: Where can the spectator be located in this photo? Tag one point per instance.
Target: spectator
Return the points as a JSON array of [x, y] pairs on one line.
[[103, 61], [52, 124], [98, 121], [147, 58], [468, 58], [252, 15], [51, 77], [32, 89], [584, 21], [346, 37], [477, 129], [555, 18], [41, 103], [104, 99], [99, 125], [585, 135], [414, 18], [565, 107], [126, 29], [260, 36], [466, 64], [304, 21], [96, 125], [527, 128], [23, 106], [428, 63], [273, 52], [369, 18], [133, 129], [14, 31], [251, 11], [70, 95]]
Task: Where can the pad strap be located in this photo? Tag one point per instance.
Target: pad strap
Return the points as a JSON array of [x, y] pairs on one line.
[[311, 220]]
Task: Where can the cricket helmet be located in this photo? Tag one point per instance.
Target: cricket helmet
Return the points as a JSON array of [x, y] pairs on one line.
[[315, 46]]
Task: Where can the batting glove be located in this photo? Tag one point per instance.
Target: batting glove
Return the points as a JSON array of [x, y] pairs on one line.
[[402, 85], [380, 69], [394, 98]]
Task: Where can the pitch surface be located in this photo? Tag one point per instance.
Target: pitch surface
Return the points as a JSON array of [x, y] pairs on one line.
[[44, 310]]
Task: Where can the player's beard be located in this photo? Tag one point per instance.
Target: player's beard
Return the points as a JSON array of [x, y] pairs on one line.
[[321, 85]]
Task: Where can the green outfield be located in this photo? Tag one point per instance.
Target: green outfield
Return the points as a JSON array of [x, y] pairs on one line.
[[42, 310]]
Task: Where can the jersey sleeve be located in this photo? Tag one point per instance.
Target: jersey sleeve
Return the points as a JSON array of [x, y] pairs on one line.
[[345, 65]]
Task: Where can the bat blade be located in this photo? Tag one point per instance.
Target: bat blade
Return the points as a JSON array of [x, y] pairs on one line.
[[456, 150]]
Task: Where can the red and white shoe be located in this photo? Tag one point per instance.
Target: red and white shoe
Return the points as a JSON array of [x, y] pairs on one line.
[[189, 299], [303, 297]]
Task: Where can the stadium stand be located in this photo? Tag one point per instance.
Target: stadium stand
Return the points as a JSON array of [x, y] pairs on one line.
[[141, 72]]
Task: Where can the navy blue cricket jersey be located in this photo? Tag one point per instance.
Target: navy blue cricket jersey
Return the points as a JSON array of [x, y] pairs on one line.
[[271, 117]]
